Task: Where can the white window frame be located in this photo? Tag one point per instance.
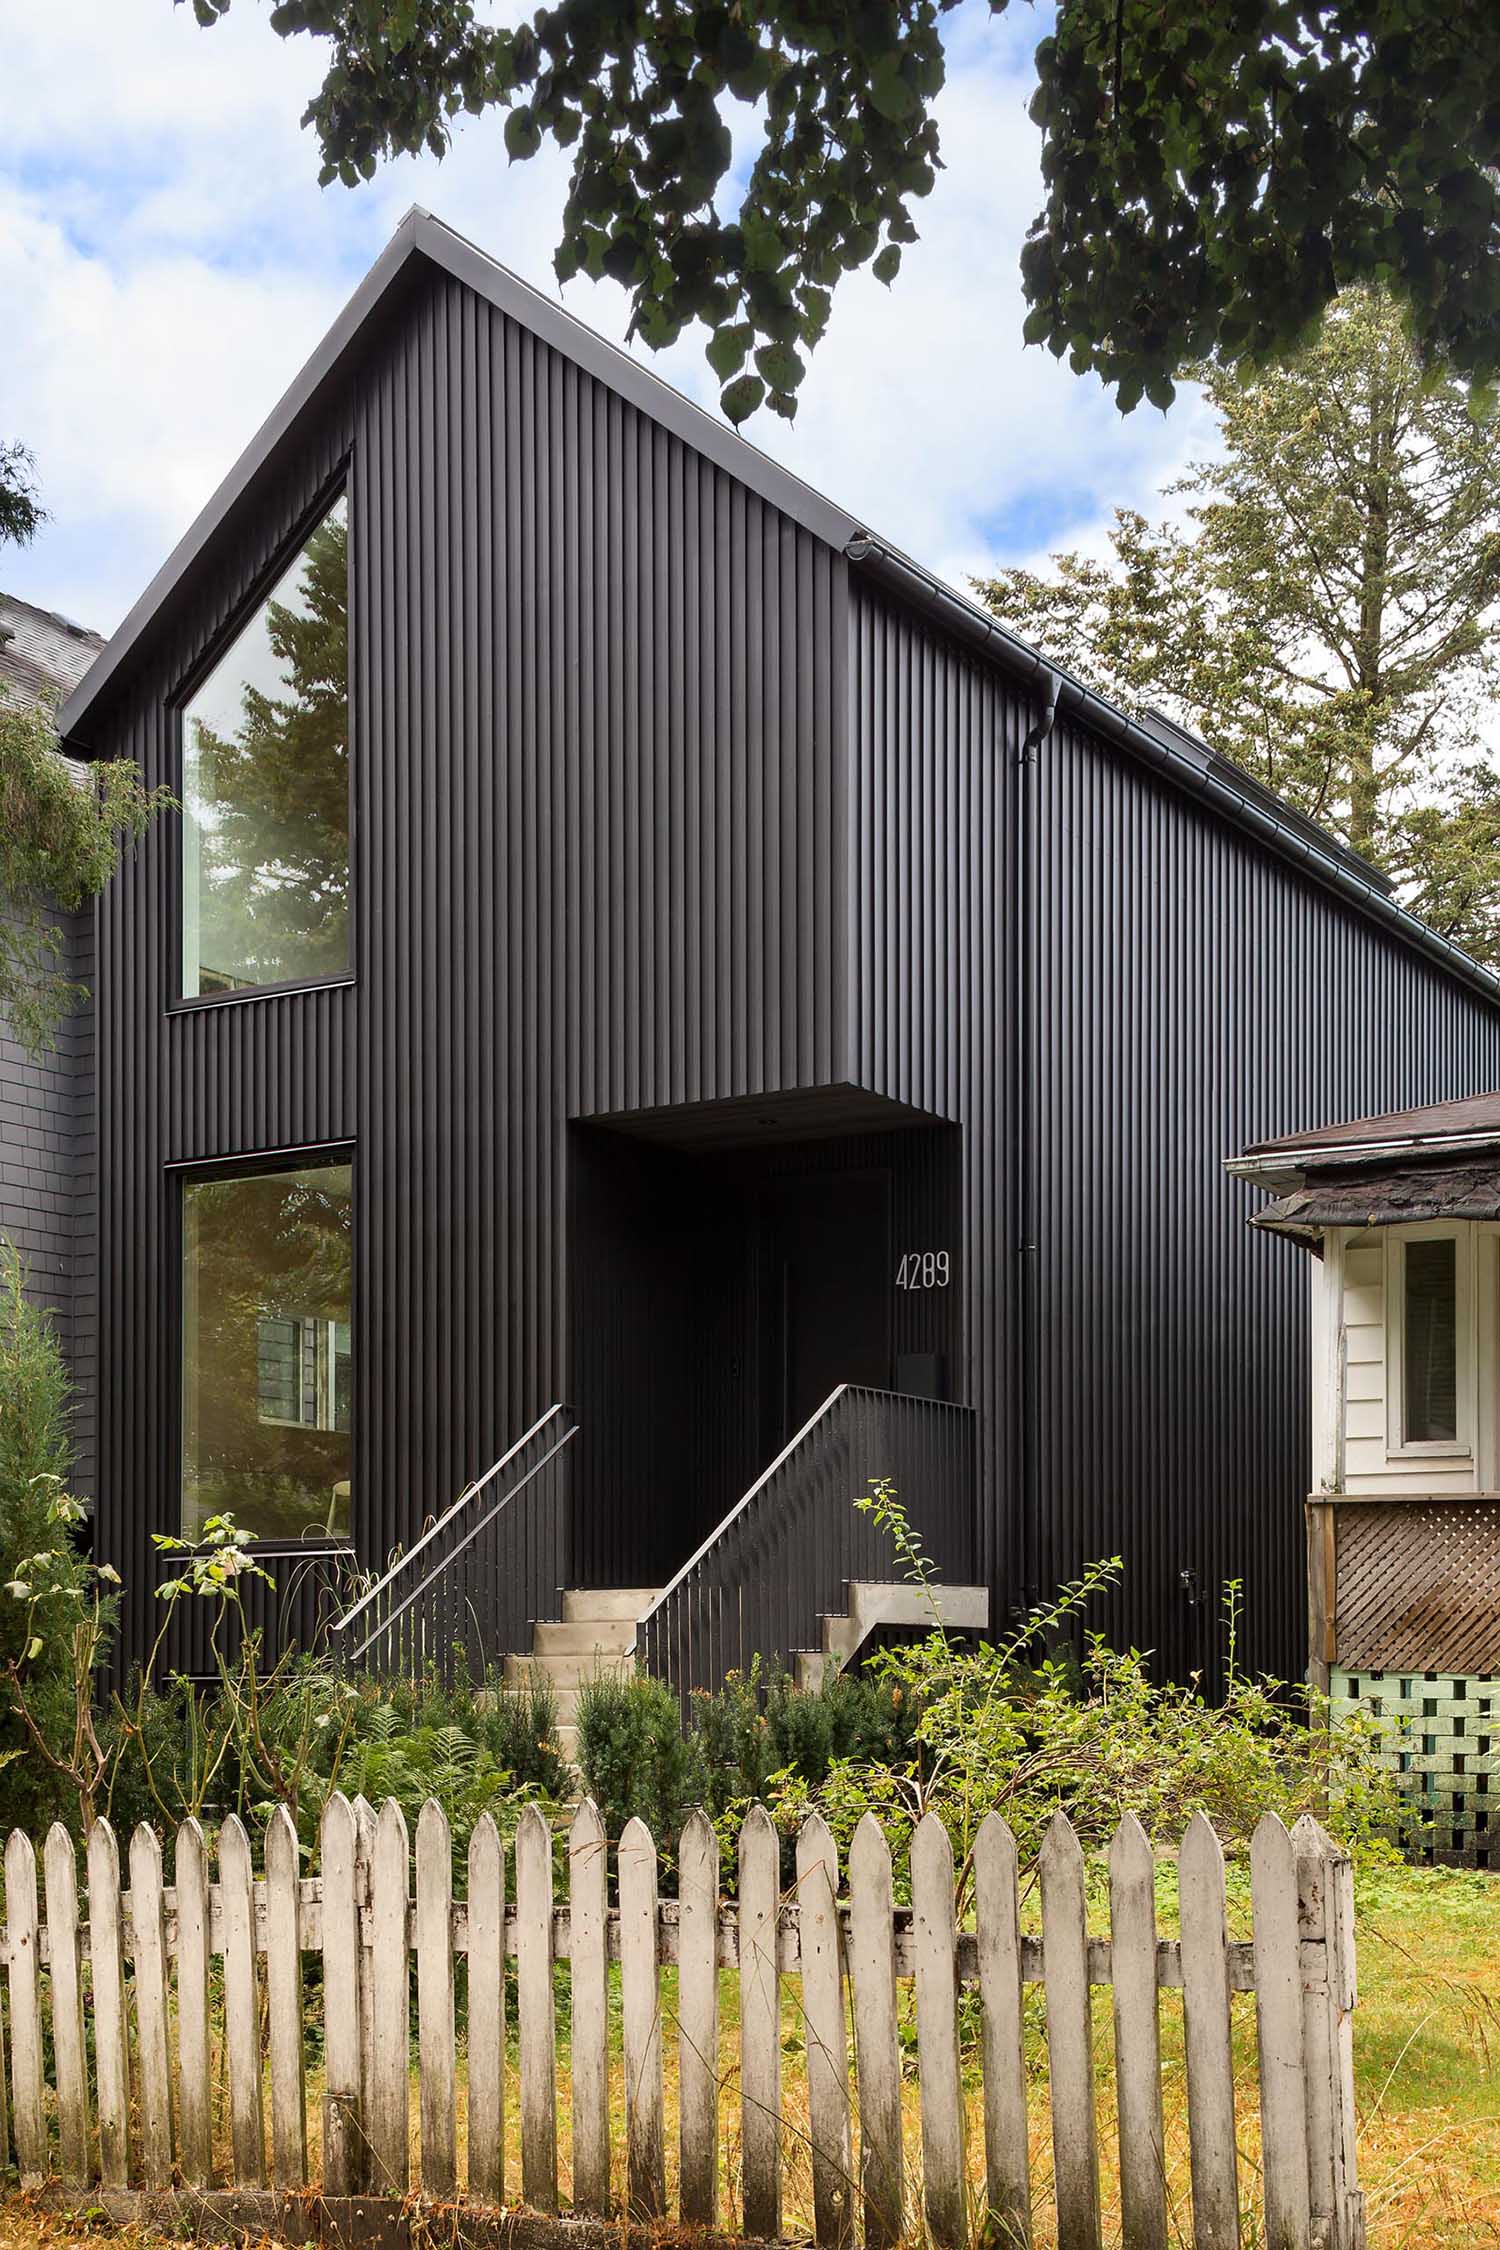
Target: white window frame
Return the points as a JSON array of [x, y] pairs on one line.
[[1460, 1448]]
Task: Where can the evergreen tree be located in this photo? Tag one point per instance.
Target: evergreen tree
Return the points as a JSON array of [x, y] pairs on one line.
[[1327, 615]]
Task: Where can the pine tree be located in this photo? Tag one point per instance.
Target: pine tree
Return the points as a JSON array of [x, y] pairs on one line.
[[1328, 616]]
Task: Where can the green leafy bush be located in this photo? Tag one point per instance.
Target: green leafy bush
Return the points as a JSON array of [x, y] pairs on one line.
[[314, 1729], [56, 1609]]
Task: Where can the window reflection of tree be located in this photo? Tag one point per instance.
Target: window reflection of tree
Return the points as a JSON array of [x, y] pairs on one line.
[[271, 800], [276, 1245]]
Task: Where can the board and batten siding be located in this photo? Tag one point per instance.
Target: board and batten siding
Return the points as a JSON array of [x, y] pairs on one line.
[[597, 748]]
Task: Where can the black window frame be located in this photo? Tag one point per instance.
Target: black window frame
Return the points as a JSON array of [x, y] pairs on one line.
[[339, 486], [254, 1163]]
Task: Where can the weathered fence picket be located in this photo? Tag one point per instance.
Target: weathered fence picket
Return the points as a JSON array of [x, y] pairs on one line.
[[193, 1951], [588, 1903], [148, 1924], [486, 1965]]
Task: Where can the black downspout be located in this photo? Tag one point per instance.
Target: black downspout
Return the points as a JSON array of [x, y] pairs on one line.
[[1026, 1075]]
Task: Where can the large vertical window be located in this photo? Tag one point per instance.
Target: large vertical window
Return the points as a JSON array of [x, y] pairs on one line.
[[1429, 1341], [265, 787], [267, 1352]]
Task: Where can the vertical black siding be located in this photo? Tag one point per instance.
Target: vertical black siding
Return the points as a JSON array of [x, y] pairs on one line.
[[1198, 994], [935, 733], [597, 727]]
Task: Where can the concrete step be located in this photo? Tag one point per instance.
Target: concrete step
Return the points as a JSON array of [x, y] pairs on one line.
[[583, 1605], [611, 1636], [564, 1671], [960, 1608]]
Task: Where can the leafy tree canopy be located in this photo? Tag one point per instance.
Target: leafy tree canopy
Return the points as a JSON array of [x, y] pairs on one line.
[[60, 828], [1215, 171], [1328, 615]]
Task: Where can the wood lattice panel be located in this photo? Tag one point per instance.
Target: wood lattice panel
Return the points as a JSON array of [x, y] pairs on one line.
[[1418, 1588]]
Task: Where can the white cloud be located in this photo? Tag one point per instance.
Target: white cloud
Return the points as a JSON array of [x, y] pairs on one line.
[[167, 262]]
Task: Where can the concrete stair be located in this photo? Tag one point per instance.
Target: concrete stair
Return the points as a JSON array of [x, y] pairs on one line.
[[597, 1627], [963, 1609]]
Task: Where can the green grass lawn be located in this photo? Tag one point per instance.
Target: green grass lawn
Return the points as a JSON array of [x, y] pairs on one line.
[[1427, 2056]]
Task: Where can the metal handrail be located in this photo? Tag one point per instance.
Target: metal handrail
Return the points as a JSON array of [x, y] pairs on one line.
[[465, 1499], [722, 1528]]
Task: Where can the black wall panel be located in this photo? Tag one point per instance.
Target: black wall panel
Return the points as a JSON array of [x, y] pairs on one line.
[[1197, 994], [597, 722], [935, 732]]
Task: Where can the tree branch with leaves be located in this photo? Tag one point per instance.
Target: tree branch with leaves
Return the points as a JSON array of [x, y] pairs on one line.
[[1213, 176]]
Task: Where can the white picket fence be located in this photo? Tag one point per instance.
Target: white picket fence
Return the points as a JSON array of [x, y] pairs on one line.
[[216, 1969]]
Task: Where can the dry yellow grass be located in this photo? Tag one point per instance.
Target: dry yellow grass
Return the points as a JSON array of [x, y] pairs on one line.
[[1427, 2067]]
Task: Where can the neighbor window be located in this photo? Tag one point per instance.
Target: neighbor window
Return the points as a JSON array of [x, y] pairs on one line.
[[1429, 1341], [265, 787], [267, 1351]]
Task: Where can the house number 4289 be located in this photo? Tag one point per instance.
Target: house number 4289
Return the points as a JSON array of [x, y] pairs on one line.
[[923, 1269]]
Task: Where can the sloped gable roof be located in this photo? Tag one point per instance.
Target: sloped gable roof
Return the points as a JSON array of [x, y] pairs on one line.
[[424, 242], [420, 240]]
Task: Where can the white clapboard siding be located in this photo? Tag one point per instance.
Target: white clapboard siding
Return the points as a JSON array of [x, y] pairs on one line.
[[836, 1937]]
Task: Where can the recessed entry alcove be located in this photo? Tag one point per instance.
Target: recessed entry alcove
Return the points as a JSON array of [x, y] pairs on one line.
[[731, 1264]]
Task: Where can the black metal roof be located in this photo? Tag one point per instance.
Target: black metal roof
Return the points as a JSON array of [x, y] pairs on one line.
[[421, 239]]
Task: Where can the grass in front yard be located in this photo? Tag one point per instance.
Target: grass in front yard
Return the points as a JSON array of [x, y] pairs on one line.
[[1427, 2065]]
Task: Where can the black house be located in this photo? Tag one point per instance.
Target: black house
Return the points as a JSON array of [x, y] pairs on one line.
[[635, 945]]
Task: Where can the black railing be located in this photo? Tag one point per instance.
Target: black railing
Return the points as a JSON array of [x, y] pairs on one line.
[[783, 1559], [471, 1588]]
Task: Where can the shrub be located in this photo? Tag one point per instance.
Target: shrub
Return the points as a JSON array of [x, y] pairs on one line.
[[633, 1757], [56, 1613]]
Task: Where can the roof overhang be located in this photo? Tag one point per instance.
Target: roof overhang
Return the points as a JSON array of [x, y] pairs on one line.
[[1389, 1195]]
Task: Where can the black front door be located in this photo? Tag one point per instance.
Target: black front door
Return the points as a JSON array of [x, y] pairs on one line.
[[826, 1281]]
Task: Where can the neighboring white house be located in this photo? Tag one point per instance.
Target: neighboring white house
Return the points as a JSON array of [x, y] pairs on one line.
[[1403, 1512]]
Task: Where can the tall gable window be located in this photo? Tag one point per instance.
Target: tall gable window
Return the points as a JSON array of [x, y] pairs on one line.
[[265, 787]]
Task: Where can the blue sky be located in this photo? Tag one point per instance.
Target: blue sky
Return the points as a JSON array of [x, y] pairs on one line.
[[167, 261]]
